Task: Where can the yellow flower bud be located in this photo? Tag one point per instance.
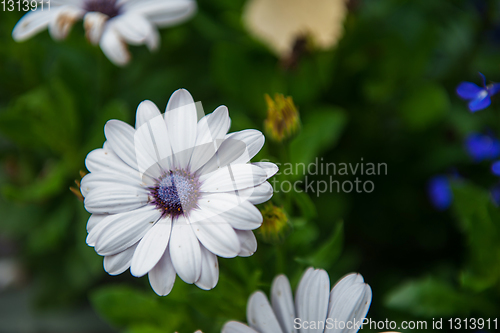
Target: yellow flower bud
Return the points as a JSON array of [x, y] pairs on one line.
[[275, 222], [283, 119]]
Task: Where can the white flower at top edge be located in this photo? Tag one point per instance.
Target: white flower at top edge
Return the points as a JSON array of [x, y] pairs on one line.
[[170, 195], [316, 308], [110, 23]]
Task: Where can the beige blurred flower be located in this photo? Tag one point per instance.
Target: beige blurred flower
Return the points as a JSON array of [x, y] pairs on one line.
[[279, 23]]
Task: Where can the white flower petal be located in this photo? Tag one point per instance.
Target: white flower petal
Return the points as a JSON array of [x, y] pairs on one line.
[[32, 23], [270, 168], [153, 40], [63, 20], [151, 247], [149, 148], [120, 262], [260, 315], [282, 302], [350, 300], [97, 228], [253, 140], [185, 251], [115, 199], [104, 179], [215, 234], [300, 292], [114, 47], [240, 214], [152, 141], [232, 178], [164, 13], [237, 148], [236, 327], [213, 126], [120, 138], [248, 242], [119, 232], [95, 219], [244, 216], [105, 160], [94, 24], [258, 194], [162, 276], [146, 111], [209, 270], [210, 134], [343, 284], [312, 305], [181, 119], [132, 27], [66, 2]]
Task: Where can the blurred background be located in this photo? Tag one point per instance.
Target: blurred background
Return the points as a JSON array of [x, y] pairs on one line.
[[380, 89]]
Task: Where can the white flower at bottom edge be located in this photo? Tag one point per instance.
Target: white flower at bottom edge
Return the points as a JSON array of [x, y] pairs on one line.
[[314, 308], [109, 23], [170, 195]]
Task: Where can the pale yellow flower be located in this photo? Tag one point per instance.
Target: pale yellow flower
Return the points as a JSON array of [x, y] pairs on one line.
[[279, 23]]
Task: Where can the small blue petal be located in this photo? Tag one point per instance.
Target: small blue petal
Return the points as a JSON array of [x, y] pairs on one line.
[[482, 147], [483, 79], [439, 191], [493, 88], [480, 103], [468, 90], [495, 168], [495, 194]]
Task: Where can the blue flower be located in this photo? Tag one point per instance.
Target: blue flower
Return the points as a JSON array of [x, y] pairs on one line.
[[495, 194], [439, 191], [479, 97], [495, 168], [482, 147]]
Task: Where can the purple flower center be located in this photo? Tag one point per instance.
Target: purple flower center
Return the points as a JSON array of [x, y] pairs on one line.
[[108, 7], [176, 193]]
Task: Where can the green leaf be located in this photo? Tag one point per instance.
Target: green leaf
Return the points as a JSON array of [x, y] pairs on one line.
[[48, 235], [145, 329], [329, 251], [321, 130], [124, 306], [256, 67], [305, 204], [428, 297], [480, 222], [115, 109], [43, 117], [424, 106], [50, 182]]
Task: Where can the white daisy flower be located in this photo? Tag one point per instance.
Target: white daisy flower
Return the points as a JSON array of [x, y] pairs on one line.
[[173, 193], [316, 308], [110, 23]]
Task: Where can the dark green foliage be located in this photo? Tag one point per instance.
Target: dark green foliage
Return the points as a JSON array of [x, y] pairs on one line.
[[385, 94]]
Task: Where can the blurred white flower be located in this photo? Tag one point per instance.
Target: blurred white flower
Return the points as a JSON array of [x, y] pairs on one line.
[[173, 193], [315, 306], [280, 23], [110, 23], [11, 273]]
